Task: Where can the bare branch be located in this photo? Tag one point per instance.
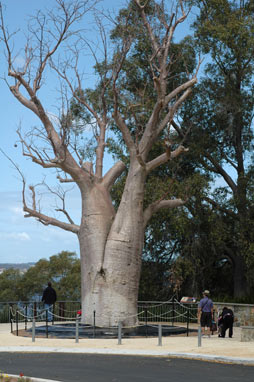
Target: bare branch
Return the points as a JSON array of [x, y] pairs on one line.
[[47, 220], [180, 89], [31, 152], [64, 180], [60, 193], [113, 174], [163, 158], [116, 115], [33, 212], [156, 206]]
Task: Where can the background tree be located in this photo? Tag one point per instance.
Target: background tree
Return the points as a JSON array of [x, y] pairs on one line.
[[111, 240], [219, 117], [9, 285], [218, 223], [63, 270]]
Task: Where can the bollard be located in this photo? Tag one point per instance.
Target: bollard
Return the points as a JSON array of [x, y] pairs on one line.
[[199, 336], [17, 323], [173, 309], [33, 331], [119, 333], [77, 330], [26, 317], [53, 314], [160, 335], [47, 327], [94, 323], [11, 318], [188, 321], [146, 319]]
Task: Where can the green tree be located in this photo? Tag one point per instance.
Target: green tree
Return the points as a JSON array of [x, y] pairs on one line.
[[110, 237], [10, 285], [219, 117], [63, 270], [34, 280]]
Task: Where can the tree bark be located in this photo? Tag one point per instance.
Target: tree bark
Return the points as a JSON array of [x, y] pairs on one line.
[[111, 249]]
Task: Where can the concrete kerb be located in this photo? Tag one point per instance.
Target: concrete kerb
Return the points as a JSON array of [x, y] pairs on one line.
[[33, 379]]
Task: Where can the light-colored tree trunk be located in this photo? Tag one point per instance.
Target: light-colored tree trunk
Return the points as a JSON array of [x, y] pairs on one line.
[[111, 248]]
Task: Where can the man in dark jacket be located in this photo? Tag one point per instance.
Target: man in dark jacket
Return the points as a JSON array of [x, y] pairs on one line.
[[226, 321], [49, 298]]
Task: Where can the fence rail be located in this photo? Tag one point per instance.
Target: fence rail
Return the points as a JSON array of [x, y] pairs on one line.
[[170, 311], [150, 315], [24, 310], [148, 311]]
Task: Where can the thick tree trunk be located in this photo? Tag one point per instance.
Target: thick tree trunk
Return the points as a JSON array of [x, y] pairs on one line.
[[111, 249]]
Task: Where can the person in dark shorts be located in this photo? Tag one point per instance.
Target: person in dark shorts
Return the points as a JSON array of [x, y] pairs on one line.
[[226, 320], [205, 312]]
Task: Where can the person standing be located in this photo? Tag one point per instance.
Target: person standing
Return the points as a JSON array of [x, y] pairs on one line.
[[49, 298], [227, 320], [205, 312]]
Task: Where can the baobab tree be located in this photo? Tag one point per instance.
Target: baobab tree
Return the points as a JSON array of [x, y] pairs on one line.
[[110, 238]]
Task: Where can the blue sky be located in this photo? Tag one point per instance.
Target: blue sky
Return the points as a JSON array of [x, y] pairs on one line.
[[26, 240]]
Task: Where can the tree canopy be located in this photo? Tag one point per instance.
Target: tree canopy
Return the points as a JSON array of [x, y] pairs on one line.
[[63, 270]]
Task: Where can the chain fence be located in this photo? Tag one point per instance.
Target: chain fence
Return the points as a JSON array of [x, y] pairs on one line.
[[152, 316]]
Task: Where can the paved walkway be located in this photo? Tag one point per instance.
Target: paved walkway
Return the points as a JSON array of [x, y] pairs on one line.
[[230, 350]]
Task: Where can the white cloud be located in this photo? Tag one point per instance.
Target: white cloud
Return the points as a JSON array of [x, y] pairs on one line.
[[17, 211], [22, 236]]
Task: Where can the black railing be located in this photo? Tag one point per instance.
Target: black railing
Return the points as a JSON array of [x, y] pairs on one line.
[[151, 315], [170, 312], [148, 311], [26, 311]]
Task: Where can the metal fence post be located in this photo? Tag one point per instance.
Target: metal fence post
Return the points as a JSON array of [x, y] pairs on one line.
[[146, 320], [94, 323], [77, 330], [17, 323], [188, 320], [173, 310], [11, 317], [53, 313], [26, 317], [199, 336], [119, 333], [33, 331], [64, 310], [9, 313], [47, 328], [160, 335]]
